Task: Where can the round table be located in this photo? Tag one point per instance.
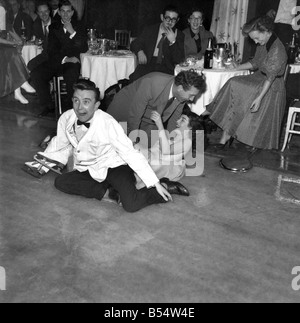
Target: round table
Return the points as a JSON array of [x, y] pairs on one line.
[[29, 52], [106, 71], [215, 80], [294, 68]]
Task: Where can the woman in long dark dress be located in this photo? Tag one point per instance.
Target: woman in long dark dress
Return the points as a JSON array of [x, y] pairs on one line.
[[13, 71], [251, 108]]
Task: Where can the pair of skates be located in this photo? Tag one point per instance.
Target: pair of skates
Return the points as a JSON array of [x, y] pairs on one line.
[[41, 166]]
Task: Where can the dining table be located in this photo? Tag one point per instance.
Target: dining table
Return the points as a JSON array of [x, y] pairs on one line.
[[30, 51], [215, 80], [107, 69]]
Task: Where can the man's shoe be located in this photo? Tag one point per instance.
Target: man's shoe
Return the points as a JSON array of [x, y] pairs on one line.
[[175, 187], [114, 195]]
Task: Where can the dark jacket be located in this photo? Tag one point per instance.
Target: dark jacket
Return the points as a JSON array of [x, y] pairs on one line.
[[17, 23], [60, 45], [190, 46], [172, 55]]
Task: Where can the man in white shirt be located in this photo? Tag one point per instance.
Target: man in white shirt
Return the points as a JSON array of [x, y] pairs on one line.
[[103, 155]]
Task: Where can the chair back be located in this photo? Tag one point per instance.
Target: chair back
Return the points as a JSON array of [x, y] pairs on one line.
[[123, 38]]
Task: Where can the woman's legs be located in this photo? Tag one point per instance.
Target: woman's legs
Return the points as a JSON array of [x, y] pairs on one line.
[[28, 88]]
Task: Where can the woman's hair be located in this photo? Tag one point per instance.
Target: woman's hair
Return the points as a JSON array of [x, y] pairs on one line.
[[195, 122], [261, 24]]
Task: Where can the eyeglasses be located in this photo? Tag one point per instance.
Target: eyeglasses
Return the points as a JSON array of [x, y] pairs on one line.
[[169, 19]]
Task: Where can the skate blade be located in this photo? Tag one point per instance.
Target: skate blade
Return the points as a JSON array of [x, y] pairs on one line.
[[44, 163]]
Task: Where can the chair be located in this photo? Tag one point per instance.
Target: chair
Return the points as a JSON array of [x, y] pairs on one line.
[[58, 91], [123, 38], [291, 124]]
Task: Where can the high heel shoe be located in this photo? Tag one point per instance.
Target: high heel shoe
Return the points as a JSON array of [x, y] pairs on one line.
[[175, 187], [19, 97], [28, 88], [223, 146]]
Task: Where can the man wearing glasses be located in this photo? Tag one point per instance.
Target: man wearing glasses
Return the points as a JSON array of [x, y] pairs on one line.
[[160, 47]]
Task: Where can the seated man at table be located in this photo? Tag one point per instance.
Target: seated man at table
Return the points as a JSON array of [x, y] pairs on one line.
[[66, 40], [104, 157], [160, 47], [41, 31], [19, 19], [159, 92]]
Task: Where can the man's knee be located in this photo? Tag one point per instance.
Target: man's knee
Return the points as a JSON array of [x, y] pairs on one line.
[[60, 183]]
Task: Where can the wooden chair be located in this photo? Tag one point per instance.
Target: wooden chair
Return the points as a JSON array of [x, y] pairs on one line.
[[58, 92], [123, 38], [291, 124]]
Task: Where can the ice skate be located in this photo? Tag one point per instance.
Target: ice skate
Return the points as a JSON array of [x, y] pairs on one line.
[[50, 164]]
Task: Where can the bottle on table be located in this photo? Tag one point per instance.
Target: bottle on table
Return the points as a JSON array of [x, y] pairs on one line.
[[209, 56], [292, 51]]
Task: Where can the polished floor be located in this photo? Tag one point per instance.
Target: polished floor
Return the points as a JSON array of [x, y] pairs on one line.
[[235, 239]]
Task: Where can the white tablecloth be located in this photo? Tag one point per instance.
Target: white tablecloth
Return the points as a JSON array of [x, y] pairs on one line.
[[295, 68], [215, 80], [106, 71], [29, 52]]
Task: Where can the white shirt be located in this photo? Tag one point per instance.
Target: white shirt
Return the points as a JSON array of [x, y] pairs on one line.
[[103, 146], [2, 18], [160, 33]]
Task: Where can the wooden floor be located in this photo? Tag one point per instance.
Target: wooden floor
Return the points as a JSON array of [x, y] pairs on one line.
[[236, 239]]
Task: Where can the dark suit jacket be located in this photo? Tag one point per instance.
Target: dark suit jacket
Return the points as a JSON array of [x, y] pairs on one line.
[[173, 55], [134, 103], [190, 46], [17, 23], [60, 45]]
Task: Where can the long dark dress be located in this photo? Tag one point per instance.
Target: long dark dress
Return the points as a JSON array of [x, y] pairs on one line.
[[230, 110], [13, 71]]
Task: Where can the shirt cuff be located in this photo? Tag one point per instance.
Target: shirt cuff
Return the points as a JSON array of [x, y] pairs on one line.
[[64, 60], [73, 35]]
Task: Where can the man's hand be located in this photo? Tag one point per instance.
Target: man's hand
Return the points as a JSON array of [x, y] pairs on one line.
[[170, 35], [73, 60], [69, 27], [163, 192], [142, 58]]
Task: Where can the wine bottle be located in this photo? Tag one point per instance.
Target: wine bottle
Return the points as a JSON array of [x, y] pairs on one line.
[[292, 51], [208, 56]]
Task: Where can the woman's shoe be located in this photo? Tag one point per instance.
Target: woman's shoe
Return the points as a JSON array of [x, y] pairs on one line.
[[223, 146], [28, 88], [19, 97]]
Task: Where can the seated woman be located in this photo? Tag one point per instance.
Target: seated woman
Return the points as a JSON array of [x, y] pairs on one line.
[[166, 157], [196, 36], [251, 108], [13, 72]]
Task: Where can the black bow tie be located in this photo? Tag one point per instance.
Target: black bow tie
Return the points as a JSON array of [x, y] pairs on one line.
[[86, 124]]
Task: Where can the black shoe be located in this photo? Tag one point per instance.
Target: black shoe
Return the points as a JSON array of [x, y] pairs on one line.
[[175, 187], [114, 195], [223, 146]]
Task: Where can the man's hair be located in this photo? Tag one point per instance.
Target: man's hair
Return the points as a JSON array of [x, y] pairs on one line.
[[65, 3], [87, 85], [171, 8], [42, 3], [189, 79]]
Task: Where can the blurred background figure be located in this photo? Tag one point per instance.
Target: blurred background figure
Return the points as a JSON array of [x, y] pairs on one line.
[[196, 36]]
